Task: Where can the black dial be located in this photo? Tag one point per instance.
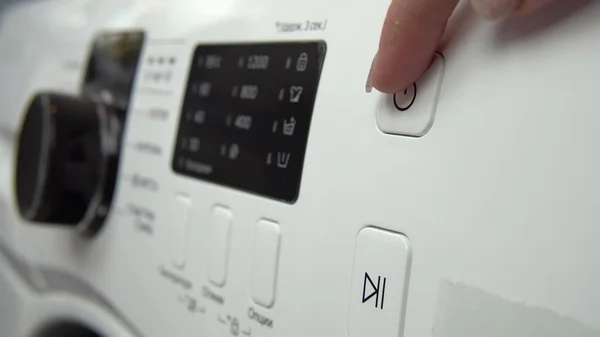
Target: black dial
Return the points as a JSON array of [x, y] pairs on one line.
[[67, 161]]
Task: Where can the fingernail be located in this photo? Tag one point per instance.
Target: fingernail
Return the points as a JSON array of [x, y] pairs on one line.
[[369, 85], [495, 9]]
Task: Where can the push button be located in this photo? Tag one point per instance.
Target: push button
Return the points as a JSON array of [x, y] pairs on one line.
[[412, 111], [219, 232], [404, 100], [379, 284], [179, 224], [264, 263]]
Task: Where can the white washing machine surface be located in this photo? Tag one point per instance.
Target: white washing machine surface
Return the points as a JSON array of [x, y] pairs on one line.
[[215, 168]]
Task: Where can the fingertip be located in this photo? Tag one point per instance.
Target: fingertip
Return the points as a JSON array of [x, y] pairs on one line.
[[387, 82], [396, 71], [411, 33]]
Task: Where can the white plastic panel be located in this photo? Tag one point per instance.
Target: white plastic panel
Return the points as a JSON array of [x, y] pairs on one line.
[[11, 305], [179, 229]]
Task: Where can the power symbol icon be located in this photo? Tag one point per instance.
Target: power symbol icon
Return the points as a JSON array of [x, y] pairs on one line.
[[404, 100]]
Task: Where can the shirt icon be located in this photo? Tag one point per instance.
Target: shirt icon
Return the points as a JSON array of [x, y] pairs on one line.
[[295, 93]]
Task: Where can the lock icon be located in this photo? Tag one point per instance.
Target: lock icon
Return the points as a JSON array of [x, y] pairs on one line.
[[302, 62]]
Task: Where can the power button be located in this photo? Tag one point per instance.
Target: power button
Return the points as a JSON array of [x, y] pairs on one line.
[[404, 100], [405, 114]]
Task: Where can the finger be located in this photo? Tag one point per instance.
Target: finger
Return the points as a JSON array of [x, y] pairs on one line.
[[411, 32], [496, 8], [505, 8], [532, 5]]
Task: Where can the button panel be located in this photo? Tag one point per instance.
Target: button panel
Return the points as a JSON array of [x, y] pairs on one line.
[[379, 284], [218, 245], [412, 111], [246, 115], [265, 257]]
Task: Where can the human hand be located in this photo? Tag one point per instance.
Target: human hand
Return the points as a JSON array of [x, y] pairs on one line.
[[412, 31]]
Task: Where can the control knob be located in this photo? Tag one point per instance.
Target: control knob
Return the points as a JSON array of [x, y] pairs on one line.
[[67, 157]]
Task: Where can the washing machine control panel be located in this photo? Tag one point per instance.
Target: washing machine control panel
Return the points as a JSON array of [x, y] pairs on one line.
[[259, 191]]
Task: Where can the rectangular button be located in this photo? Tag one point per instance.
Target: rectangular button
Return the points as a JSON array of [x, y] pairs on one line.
[[411, 112], [219, 232], [179, 223], [265, 257], [379, 284]]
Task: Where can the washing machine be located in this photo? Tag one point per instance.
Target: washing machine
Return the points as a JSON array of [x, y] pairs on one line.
[[202, 168]]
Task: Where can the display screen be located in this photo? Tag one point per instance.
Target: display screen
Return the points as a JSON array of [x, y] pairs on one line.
[[246, 115]]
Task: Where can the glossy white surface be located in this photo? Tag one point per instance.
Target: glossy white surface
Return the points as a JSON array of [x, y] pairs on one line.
[[179, 221], [508, 172], [28, 309]]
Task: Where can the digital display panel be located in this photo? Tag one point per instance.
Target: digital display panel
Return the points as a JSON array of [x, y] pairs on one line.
[[246, 115]]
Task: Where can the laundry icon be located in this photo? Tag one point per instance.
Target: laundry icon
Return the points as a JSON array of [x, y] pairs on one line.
[[283, 159], [288, 126], [302, 62], [295, 92]]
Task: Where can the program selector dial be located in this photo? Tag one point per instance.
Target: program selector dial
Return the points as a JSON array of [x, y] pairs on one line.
[[67, 156]]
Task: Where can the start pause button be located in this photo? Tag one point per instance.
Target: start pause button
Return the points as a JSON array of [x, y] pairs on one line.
[[379, 284]]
